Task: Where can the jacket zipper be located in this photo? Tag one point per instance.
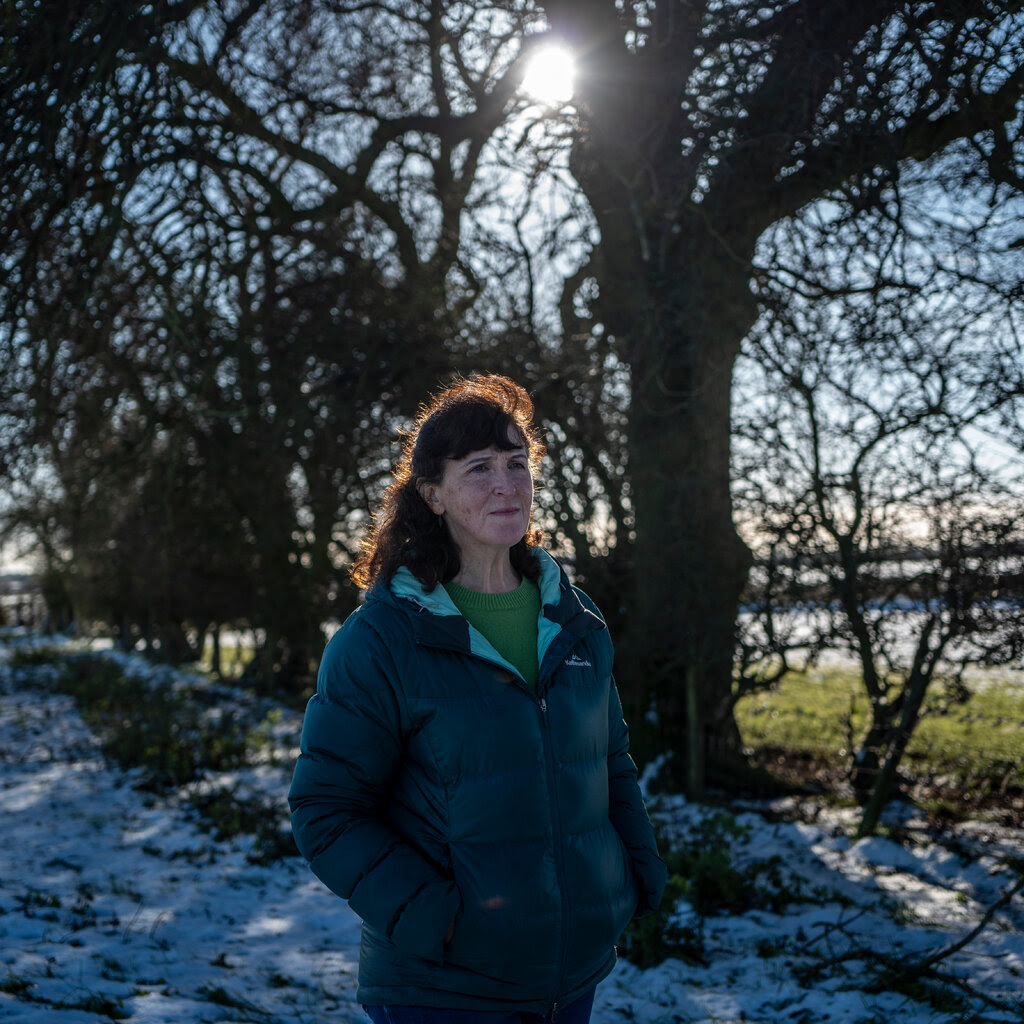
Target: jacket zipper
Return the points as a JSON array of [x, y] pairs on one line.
[[560, 870]]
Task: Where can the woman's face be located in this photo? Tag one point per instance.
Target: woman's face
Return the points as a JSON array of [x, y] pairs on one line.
[[485, 498]]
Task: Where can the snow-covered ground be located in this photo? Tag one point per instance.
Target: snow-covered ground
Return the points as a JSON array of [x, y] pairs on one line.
[[115, 904]]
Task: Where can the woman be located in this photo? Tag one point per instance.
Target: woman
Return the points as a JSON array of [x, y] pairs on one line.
[[464, 779]]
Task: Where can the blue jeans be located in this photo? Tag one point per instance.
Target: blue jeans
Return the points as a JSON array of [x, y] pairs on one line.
[[576, 1012]]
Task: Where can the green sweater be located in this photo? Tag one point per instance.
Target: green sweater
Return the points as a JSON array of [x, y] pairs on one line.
[[507, 621]]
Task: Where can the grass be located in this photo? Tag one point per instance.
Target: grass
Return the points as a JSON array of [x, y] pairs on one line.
[[173, 733], [811, 722], [234, 656], [702, 869], [177, 733], [169, 732], [975, 745]]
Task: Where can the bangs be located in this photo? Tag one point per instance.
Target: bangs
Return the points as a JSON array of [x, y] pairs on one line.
[[471, 416], [480, 426]]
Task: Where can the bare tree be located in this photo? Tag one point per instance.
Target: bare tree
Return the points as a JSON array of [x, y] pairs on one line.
[[875, 476], [252, 161], [234, 245], [701, 125]]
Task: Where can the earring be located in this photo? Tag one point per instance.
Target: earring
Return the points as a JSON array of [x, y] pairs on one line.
[[440, 521]]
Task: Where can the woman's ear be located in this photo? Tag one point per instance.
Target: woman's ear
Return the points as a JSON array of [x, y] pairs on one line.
[[428, 492]]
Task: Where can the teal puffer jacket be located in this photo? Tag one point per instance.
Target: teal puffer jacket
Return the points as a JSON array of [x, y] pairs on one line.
[[434, 786]]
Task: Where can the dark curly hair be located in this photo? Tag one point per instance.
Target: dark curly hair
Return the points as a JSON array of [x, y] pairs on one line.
[[470, 414]]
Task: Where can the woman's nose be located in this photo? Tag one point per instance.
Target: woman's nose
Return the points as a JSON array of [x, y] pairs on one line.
[[504, 482]]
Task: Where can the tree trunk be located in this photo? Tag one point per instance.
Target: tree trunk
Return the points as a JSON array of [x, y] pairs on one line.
[[872, 753], [674, 278], [690, 565], [916, 689], [215, 661]]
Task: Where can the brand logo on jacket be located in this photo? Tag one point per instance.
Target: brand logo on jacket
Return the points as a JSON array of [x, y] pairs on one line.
[[575, 661]]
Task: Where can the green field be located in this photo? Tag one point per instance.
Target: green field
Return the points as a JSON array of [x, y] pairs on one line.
[[975, 745]]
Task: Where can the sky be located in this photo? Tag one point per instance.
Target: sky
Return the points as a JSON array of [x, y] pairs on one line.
[[115, 903]]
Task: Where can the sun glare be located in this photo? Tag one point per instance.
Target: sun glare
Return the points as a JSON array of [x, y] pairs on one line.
[[549, 76]]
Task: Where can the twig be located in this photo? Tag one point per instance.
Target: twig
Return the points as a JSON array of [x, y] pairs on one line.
[[955, 947], [898, 967]]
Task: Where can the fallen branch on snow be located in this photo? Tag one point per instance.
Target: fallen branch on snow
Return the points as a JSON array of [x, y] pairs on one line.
[[898, 968]]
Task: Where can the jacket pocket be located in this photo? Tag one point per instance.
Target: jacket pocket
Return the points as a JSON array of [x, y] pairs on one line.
[[604, 894], [508, 926]]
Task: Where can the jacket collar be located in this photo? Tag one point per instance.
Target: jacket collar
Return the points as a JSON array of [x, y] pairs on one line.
[[437, 622]]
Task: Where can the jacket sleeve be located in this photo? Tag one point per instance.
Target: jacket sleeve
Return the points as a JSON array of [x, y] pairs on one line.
[[629, 815], [350, 751]]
